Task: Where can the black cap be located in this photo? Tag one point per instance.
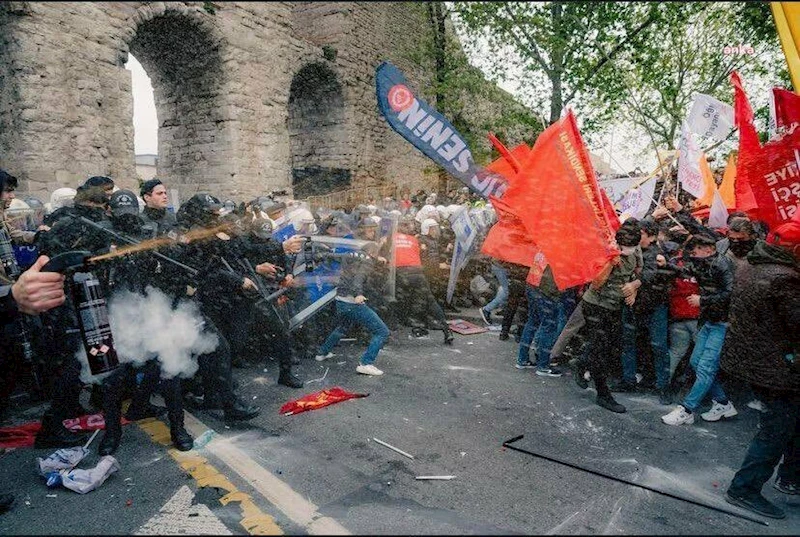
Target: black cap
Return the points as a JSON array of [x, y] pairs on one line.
[[123, 202], [630, 233], [261, 228], [99, 180], [7, 181], [148, 186]]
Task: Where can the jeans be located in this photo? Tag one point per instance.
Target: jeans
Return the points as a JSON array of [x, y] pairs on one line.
[[545, 321], [681, 335], [500, 298], [655, 322], [705, 362], [778, 434], [358, 314], [516, 295]]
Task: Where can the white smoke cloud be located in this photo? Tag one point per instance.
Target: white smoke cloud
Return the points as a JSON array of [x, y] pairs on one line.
[[147, 326]]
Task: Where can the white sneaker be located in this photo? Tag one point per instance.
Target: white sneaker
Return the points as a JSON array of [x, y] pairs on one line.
[[679, 416], [321, 357], [756, 404], [719, 411], [369, 370]]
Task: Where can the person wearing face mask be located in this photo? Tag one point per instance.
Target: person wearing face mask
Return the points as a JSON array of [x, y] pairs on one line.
[[742, 238], [601, 306], [762, 349], [714, 275]]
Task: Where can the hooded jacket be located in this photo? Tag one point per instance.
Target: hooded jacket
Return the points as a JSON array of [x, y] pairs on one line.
[[764, 317]]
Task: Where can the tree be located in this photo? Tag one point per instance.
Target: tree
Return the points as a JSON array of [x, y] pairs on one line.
[[563, 50]]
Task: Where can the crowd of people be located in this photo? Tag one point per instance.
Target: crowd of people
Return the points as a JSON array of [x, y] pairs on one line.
[[680, 312]]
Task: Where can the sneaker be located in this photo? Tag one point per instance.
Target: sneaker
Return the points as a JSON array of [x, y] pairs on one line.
[[755, 503], [755, 404], [526, 365], [609, 403], [486, 316], [679, 416], [719, 411], [548, 371], [369, 370], [322, 357], [786, 487]]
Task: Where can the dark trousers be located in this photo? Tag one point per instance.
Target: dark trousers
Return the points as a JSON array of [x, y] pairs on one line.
[[778, 435], [516, 298], [114, 393], [415, 297], [215, 368], [603, 329]]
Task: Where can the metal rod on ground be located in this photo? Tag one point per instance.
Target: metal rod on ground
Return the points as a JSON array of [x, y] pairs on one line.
[[400, 451], [435, 477], [507, 444], [89, 442]]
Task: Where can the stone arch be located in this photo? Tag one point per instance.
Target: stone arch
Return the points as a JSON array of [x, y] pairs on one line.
[[317, 131], [181, 51]]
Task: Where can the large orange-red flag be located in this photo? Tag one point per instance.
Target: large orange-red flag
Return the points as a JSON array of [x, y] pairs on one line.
[[748, 147], [508, 240], [558, 200]]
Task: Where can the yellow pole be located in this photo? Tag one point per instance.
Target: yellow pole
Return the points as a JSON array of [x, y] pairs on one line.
[[787, 22]]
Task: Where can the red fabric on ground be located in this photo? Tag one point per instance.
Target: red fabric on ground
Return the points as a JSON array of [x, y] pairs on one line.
[[319, 399]]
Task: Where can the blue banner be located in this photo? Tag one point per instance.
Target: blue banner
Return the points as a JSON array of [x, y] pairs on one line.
[[430, 132]]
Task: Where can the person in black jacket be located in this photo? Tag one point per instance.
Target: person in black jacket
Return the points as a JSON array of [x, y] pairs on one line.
[[762, 348], [154, 194], [217, 283], [714, 275], [33, 293], [351, 308]]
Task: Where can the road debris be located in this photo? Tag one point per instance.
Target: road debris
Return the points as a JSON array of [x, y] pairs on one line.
[[434, 477], [400, 451]]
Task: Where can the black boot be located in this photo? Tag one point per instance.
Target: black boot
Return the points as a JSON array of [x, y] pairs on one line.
[[6, 502], [140, 412], [448, 336], [239, 411], [287, 378], [181, 438], [609, 403], [503, 335], [53, 434], [110, 442]]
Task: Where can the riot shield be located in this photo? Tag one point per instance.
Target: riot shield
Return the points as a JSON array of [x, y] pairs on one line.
[[387, 229]]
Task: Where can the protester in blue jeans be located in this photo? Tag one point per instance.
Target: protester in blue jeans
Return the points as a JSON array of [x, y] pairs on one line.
[[548, 309], [714, 274], [351, 309], [650, 313], [499, 300]]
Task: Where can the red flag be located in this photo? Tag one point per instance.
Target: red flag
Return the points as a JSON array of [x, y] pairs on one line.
[[787, 108], [748, 146], [319, 399], [611, 214], [25, 435], [774, 176], [508, 240], [507, 164], [557, 198]]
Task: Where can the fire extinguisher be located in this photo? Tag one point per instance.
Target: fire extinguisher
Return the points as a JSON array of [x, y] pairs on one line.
[[90, 309]]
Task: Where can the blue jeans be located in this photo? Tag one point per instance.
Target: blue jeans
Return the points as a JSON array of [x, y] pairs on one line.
[[500, 298], [546, 319], [778, 434], [655, 322], [681, 335], [705, 362], [358, 314]]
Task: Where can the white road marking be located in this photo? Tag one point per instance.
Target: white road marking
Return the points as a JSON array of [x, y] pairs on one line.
[[180, 517]]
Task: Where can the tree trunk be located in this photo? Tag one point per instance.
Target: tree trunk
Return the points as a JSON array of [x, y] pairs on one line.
[[436, 17], [557, 65]]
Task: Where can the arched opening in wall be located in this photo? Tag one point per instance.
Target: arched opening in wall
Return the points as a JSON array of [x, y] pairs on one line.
[[317, 133], [145, 121], [183, 63]]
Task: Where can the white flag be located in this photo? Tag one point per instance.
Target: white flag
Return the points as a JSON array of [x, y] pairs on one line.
[[710, 118], [616, 188], [718, 215], [689, 164], [637, 201]]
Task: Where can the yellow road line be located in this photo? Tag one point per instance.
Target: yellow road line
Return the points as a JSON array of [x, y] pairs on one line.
[[254, 521]]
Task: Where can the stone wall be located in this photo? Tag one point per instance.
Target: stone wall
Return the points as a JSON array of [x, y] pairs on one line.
[[234, 116]]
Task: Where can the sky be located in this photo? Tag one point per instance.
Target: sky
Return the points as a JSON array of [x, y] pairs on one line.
[[145, 123]]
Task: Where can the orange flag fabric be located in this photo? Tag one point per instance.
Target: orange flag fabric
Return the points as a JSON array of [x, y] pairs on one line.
[[319, 399], [508, 240], [708, 181], [728, 185], [557, 198]]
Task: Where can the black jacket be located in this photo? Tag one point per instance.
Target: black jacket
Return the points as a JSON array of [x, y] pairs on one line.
[[714, 276], [765, 316], [163, 220], [656, 281]]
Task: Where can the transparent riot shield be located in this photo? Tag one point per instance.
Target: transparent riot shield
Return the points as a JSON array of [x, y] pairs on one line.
[[387, 229]]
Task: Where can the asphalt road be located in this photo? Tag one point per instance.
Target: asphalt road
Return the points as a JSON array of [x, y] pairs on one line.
[[451, 408]]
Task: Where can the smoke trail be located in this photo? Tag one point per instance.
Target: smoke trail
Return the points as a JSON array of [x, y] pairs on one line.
[[146, 326]]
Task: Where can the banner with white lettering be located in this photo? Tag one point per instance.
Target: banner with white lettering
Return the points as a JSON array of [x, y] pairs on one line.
[[616, 188], [430, 132], [689, 174], [637, 201], [710, 117], [465, 231]]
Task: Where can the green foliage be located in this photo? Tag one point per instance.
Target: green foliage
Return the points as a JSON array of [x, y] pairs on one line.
[[210, 8]]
